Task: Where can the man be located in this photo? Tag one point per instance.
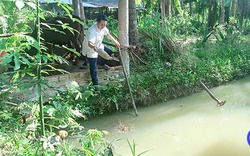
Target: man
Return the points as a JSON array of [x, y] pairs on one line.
[[92, 45]]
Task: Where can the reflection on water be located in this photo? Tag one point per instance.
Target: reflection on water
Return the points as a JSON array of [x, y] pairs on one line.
[[190, 126]]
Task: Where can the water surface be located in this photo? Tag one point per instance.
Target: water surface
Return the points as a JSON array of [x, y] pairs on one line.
[[189, 126]]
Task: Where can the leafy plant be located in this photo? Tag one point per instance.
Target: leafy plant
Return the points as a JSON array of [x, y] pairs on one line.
[[132, 147], [94, 143], [157, 40], [12, 13], [89, 100]]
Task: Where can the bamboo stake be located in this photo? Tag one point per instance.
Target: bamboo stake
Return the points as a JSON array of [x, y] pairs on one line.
[[129, 87], [39, 74], [220, 103]]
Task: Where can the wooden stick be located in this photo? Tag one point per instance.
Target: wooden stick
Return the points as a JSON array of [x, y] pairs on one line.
[[11, 103], [129, 87], [110, 44], [132, 56], [116, 36], [138, 58], [220, 103], [11, 34]]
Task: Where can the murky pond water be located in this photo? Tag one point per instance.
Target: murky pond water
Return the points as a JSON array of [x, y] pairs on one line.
[[189, 126]]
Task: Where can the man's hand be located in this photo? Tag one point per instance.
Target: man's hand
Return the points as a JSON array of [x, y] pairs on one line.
[[95, 48], [117, 44], [91, 45]]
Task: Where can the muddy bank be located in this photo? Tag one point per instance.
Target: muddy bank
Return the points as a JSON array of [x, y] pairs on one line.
[[59, 82], [151, 96]]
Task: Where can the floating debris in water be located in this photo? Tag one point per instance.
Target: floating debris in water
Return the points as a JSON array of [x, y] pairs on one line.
[[105, 132], [122, 128]]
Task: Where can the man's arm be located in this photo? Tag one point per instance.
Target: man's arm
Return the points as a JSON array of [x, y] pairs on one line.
[[91, 38], [117, 44], [92, 46]]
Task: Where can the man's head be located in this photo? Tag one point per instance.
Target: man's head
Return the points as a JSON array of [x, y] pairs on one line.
[[101, 21]]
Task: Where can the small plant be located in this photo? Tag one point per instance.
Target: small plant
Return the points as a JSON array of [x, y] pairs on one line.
[[132, 147], [94, 143]]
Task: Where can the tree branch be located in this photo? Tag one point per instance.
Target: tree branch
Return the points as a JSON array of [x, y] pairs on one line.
[[11, 103], [11, 34]]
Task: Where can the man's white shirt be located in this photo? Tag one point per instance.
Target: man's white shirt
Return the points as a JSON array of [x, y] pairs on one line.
[[95, 36]]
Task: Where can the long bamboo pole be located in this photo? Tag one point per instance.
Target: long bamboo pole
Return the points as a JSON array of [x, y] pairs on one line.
[[39, 75], [129, 87], [220, 103]]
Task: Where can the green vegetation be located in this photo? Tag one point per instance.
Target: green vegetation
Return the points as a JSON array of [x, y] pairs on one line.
[[215, 63], [132, 147], [31, 126], [88, 100]]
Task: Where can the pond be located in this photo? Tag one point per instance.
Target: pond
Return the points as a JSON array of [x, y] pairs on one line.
[[190, 126]]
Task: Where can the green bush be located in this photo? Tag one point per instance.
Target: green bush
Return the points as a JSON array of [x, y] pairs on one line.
[[89, 100], [215, 63], [22, 138]]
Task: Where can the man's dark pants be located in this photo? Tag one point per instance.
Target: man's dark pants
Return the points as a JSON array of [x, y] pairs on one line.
[[93, 70], [93, 66]]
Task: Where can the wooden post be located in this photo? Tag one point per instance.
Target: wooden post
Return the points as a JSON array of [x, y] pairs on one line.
[[76, 7], [82, 13], [123, 32], [124, 41]]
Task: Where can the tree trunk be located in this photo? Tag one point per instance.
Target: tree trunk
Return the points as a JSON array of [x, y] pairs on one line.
[[227, 10], [233, 9], [133, 32], [82, 13], [168, 8], [222, 14], [242, 6], [76, 7], [212, 14], [178, 7], [190, 8], [123, 32], [163, 12]]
